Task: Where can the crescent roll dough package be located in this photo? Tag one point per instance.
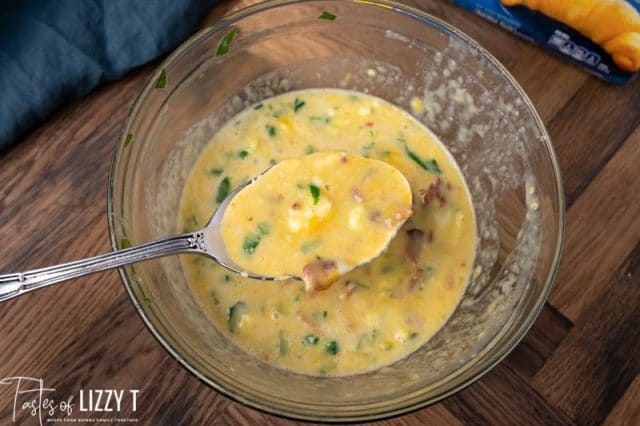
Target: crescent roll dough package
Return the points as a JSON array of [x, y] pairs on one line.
[[603, 36]]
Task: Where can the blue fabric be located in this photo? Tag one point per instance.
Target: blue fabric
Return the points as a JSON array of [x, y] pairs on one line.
[[52, 51]]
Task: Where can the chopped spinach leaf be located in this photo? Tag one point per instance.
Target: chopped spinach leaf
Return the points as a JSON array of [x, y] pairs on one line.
[[430, 164], [225, 43], [264, 228], [297, 104], [251, 241], [315, 193], [271, 130], [243, 153], [128, 139], [332, 348], [328, 16], [161, 82], [284, 344], [234, 313], [258, 106], [223, 190], [216, 172], [310, 149]]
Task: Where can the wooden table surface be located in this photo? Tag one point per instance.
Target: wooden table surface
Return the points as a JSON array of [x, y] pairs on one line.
[[580, 363]]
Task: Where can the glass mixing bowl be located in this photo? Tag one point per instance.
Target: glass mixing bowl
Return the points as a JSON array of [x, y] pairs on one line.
[[393, 52]]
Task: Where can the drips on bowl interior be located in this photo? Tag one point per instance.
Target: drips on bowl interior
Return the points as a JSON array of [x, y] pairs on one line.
[[374, 315]]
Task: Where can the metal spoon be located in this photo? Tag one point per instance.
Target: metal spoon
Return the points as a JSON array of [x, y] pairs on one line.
[[207, 241]]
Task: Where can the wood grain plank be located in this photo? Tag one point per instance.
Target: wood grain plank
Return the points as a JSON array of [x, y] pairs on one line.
[[587, 131], [592, 368], [172, 396], [433, 415], [602, 229], [546, 334], [503, 398], [627, 410]]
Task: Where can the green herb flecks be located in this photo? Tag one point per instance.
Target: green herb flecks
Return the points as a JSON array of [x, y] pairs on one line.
[[315, 193], [332, 348], [216, 172], [273, 162], [257, 107], [310, 149], [413, 335], [429, 272], [278, 113], [223, 189], [311, 339], [297, 104], [250, 243], [328, 16], [271, 130], [128, 138], [264, 228], [125, 243], [225, 43], [309, 246], [214, 298], [161, 82], [283, 343], [430, 164], [320, 119], [362, 285], [243, 154], [226, 278], [234, 314]]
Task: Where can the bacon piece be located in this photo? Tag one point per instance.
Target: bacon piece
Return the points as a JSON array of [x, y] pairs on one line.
[[414, 244], [350, 287], [356, 194], [313, 325], [415, 277], [319, 275], [434, 192]]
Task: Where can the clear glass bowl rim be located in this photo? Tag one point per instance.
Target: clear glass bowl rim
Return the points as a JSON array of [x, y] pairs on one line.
[[427, 19]]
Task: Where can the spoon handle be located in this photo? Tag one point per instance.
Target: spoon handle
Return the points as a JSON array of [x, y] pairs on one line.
[[12, 285]]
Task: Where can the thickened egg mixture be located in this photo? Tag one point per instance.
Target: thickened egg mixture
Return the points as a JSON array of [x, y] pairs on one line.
[[373, 315], [310, 210]]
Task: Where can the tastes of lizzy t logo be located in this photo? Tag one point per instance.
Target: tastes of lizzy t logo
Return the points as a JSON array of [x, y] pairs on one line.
[[32, 399]]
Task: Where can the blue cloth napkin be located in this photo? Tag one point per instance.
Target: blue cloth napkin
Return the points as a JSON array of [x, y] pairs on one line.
[[52, 51]]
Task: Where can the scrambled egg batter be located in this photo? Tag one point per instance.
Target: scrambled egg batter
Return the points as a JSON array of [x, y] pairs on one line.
[[323, 213], [379, 312]]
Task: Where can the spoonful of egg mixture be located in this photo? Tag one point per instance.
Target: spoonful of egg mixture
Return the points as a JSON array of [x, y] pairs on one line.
[[316, 217]]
